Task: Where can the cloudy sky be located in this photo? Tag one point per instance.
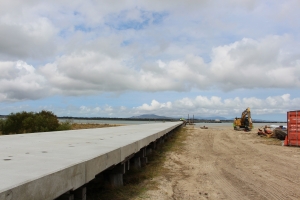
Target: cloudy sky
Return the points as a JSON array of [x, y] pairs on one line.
[[122, 58]]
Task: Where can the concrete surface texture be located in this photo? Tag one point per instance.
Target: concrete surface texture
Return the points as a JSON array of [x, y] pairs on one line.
[[46, 165]]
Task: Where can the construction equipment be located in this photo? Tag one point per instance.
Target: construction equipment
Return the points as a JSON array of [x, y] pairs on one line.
[[243, 123], [293, 129], [273, 131]]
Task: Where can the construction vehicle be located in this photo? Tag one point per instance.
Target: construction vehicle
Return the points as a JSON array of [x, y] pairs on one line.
[[245, 122]]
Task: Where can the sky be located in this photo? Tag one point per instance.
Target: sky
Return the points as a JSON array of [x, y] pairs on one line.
[[123, 58]]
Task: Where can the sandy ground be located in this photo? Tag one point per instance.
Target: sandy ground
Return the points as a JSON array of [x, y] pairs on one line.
[[220, 163]]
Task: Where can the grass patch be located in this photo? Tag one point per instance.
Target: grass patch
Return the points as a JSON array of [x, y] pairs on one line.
[[137, 182]]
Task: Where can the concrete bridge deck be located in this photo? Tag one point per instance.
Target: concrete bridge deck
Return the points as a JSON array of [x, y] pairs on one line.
[[47, 165]]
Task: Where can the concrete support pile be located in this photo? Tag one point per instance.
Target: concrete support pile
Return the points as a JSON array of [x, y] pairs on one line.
[[78, 194], [115, 176]]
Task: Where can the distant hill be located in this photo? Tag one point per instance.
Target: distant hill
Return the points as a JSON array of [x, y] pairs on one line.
[[150, 116]]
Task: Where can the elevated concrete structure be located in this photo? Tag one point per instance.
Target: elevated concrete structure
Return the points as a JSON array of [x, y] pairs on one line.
[[46, 165]]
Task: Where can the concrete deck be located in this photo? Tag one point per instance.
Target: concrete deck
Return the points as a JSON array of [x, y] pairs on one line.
[[46, 165]]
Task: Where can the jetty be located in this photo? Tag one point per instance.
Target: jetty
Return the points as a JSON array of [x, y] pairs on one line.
[[59, 164]]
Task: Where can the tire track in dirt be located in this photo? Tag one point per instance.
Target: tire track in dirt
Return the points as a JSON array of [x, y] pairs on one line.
[[236, 146], [228, 149], [273, 174], [222, 188], [275, 190], [273, 186]]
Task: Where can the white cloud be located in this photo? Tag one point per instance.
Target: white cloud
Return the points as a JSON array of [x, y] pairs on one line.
[[244, 64], [27, 39], [256, 64], [212, 106], [91, 72], [155, 105], [84, 109], [20, 81]]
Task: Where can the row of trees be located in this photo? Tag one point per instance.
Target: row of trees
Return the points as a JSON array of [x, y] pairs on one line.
[[30, 122]]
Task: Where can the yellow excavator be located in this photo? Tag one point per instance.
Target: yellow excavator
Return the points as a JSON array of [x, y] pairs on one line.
[[243, 123]]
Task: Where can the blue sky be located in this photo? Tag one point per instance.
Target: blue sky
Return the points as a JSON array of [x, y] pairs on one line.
[[171, 58]]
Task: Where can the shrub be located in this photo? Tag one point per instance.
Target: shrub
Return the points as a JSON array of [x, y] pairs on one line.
[[64, 126], [46, 121], [14, 122], [29, 122], [2, 121]]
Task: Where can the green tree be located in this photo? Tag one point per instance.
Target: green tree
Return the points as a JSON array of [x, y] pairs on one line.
[[29, 122], [2, 122], [64, 126], [14, 122], [46, 121]]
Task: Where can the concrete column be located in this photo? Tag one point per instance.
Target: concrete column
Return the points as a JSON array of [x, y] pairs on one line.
[[137, 162], [66, 196], [144, 161], [99, 179], [127, 163], [115, 175], [161, 140], [80, 193], [142, 155], [143, 152], [119, 169], [172, 133], [116, 180], [153, 145], [148, 151], [166, 137]]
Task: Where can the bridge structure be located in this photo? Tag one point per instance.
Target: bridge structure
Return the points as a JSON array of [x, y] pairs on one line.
[[58, 165]]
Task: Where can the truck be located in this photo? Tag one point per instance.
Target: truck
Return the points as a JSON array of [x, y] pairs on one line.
[[245, 122]]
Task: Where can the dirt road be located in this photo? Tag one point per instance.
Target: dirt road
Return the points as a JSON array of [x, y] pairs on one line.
[[219, 163]]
